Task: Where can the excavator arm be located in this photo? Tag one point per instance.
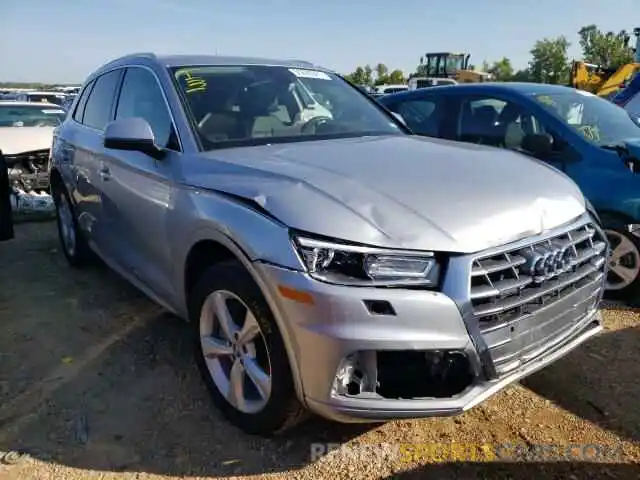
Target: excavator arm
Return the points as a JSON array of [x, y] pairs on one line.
[[604, 81]]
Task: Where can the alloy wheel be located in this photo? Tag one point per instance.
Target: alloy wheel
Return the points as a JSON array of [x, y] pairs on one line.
[[235, 351], [624, 261]]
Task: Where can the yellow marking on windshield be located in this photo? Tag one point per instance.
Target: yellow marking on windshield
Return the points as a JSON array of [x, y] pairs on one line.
[[194, 84], [590, 132]]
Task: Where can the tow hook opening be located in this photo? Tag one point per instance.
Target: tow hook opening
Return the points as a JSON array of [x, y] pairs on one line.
[[406, 374]]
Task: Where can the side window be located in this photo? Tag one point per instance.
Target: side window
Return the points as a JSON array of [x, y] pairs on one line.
[[97, 111], [498, 123], [141, 96], [422, 115], [479, 121], [79, 111]]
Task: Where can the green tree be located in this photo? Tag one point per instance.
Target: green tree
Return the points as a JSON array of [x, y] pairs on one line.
[[357, 76], [502, 70], [382, 74], [396, 76], [607, 49], [522, 76], [549, 62], [368, 75]]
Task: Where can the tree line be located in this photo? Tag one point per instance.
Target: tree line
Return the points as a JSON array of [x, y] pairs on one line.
[[549, 61]]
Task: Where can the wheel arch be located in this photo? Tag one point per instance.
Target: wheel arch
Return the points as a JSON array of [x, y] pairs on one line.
[[212, 246]]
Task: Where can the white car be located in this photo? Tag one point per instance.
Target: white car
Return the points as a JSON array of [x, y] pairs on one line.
[[26, 135], [55, 98]]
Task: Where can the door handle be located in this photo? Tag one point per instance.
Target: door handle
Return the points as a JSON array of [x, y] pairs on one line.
[[105, 173]]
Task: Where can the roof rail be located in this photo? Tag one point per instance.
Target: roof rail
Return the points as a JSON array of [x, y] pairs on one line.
[[303, 62]]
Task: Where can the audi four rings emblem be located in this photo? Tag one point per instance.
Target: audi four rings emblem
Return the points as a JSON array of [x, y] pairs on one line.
[[544, 263]]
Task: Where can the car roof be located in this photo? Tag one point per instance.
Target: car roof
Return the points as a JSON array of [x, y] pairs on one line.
[[518, 88], [184, 60]]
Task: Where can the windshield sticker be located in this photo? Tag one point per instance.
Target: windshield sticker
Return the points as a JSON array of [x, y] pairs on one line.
[[52, 111], [194, 84], [303, 73]]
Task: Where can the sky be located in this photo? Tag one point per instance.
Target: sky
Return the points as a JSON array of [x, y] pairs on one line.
[[62, 42]]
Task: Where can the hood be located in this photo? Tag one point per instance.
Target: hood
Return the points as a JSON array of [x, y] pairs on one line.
[[14, 140], [396, 191]]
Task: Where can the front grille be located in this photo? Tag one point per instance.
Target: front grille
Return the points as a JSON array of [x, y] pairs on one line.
[[528, 298]]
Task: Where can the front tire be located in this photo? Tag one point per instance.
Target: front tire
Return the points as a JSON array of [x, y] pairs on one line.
[[240, 352], [623, 279]]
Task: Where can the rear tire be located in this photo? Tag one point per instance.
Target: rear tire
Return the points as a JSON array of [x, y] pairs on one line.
[[266, 403], [74, 246]]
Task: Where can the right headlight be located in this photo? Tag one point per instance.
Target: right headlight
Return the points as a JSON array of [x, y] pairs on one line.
[[356, 265]]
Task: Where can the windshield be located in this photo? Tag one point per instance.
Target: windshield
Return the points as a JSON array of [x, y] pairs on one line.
[[251, 105], [598, 120], [31, 116]]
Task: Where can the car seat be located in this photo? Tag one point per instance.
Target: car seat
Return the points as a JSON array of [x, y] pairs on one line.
[[510, 130], [258, 108], [217, 122], [479, 125]]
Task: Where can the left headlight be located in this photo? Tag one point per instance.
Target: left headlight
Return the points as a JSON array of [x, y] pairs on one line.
[[357, 265]]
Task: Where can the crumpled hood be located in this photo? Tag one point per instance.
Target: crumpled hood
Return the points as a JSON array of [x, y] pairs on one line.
[[15, 140], [396, 191]]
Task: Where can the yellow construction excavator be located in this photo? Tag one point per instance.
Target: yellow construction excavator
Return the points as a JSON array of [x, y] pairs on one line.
[[602, 80], [451, 65]]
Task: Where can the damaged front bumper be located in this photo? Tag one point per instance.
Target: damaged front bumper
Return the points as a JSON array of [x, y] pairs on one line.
[[372, 354], [29, 183]]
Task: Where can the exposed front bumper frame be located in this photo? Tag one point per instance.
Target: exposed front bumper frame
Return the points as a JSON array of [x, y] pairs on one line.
[[378, 409]]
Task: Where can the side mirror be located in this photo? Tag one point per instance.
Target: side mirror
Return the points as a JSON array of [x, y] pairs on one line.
[[540, 145], [132, 134], [400, 118]]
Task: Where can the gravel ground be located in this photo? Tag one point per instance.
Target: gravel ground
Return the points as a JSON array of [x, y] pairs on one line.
[[97, 382]]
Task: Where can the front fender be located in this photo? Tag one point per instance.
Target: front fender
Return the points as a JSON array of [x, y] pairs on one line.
[[613, 190]]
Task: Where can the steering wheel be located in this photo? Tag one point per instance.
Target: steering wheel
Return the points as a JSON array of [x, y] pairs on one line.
[[314, 123]]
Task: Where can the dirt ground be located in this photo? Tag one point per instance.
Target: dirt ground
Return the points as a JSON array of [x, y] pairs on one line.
[[97, 382]]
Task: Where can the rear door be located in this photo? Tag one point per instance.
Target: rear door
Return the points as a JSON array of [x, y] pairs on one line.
[[81, 147]]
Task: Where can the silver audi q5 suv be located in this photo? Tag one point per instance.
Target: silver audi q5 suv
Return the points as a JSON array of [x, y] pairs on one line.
[[327, 259]]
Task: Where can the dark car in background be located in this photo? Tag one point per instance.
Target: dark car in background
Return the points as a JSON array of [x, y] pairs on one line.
[[590, 139]]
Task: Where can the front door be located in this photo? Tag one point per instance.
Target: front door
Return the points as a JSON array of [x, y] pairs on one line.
[[504, 123], [138, 190]]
